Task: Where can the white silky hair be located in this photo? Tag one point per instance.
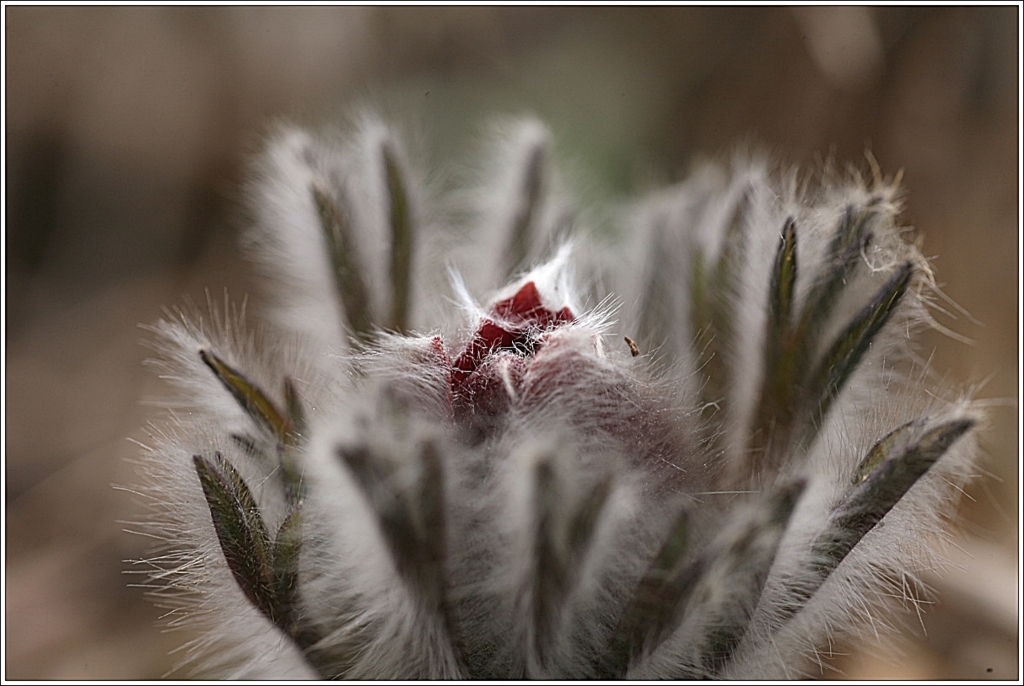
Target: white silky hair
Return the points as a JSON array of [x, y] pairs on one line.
[[520, 548]]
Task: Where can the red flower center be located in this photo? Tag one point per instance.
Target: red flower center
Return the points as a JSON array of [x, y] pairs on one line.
[[514, 332]]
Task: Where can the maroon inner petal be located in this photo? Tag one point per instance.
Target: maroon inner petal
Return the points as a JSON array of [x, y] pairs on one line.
[[523, 318], [525, 307]]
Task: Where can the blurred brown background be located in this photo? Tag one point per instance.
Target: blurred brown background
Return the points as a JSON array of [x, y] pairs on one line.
[[126, 137]]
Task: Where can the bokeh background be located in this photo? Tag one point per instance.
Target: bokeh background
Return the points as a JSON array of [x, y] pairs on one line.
[[127, 134]]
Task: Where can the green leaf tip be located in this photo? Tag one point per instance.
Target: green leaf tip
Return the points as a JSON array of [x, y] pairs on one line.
[[287, 427], [892, 443], [252, 399], [783, 283], [895, 464], [872, 499]]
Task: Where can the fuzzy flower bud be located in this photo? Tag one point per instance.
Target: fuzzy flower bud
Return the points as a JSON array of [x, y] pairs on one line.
[[692, 447]]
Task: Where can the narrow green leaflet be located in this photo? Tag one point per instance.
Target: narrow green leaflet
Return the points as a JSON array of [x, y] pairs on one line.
[[550, 571], [868, 502], [267, 572], [652, 609], [711, 308], [893, 443], [252, 399], [286, 549], [718, 590], [295, 414], [307, 636], [776, 408], [851, 238], [240, 529], [527, 205], [287, 427], [784, 271], [745, 566], [583, 523], [562, 537], [899, 464], [288, 450], [349, 279], [403, 231], [373, 478], [411, 519], [853, 342], [796, 395]]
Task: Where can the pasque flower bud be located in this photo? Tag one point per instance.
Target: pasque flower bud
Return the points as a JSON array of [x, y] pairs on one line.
[[692, 445]]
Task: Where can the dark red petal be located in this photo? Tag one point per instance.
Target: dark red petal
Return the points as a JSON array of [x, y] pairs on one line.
[[523, 318], [522, 307], [489, 338]]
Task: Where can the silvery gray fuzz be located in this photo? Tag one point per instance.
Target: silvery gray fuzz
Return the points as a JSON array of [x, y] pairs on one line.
[[495, 434]]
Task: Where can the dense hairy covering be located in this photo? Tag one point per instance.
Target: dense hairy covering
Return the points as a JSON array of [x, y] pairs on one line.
[[694, 444]]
